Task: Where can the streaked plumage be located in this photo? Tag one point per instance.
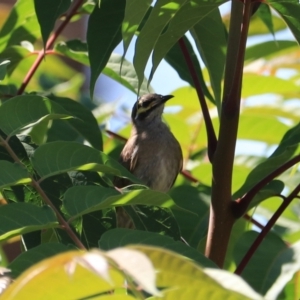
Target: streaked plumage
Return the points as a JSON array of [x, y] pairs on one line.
[[152, 153]]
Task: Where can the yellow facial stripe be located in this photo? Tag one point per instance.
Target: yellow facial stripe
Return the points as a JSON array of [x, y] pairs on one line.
[[142, 109]]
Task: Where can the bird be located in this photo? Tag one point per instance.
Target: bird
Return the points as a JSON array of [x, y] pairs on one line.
[[152, 153]]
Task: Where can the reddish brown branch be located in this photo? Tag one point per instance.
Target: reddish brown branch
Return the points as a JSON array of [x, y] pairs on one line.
[[253, 221], [240, 206], [64, 224], [211, 135], [49, 45], [266, 229]]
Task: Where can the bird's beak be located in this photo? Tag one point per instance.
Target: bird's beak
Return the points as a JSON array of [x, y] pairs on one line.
[[166, 98]]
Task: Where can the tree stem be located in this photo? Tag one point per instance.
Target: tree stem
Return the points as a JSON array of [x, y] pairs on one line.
[[221, 216]]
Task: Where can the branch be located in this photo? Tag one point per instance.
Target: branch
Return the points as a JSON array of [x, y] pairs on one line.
[[239, 207], [211, 136], [46, 199], [49, 45], [221, 216], [253, 221], [266, 229]]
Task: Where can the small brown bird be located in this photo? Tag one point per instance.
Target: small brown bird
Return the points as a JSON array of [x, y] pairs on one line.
[[152, 153]]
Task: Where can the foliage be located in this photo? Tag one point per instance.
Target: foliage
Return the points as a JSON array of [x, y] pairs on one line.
[[58, 162]]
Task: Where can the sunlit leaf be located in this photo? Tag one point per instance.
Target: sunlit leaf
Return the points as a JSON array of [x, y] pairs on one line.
[[134, 12], [83, 122], [3, 65], [212, 49], [138, 266], [80, 200], [265, 14], [30, 218], [122, 237], [126, 75], [188, 15], [289, 11], [161, 14], [32, 256], [21, 25], [63, 276], [60, 157], [22, 112], [190, 280], [12, 174]]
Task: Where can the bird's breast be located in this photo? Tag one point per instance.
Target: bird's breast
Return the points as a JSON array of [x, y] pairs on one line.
[[158, 160]]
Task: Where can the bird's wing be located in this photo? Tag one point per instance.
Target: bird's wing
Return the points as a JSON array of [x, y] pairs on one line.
[[128, 159], [180, 166]]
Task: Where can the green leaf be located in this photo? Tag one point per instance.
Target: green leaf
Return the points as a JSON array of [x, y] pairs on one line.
[[289, 262], [84, 121], [134, 12], [266, 49], [267, 262], [265, 14], [182, 279], [274, 188], [289, 11], [251, 123], [32, 256], [12, 174], [22, 112], [193, 226], [15, 54], [283, 152], [68, 275], [160, 16], [80, 200], [3, 65], [103, 35], [20, 218], [209, 35], [59, 157], [188, 15], [21, 25], [176, 59], [259, 84], [258, 27], [126, 75], [47, 12], [122, 237], [74, 49]]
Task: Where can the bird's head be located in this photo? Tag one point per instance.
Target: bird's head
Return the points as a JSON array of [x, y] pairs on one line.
[[149, 108]]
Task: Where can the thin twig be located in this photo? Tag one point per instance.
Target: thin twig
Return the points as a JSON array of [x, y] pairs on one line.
[[38, 188], [211, 135], [240, 206], [49, 45], [253, 221], [265, 230], [64, 224]]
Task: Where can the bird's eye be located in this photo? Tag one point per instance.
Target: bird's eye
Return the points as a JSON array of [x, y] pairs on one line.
[[143, 104]]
